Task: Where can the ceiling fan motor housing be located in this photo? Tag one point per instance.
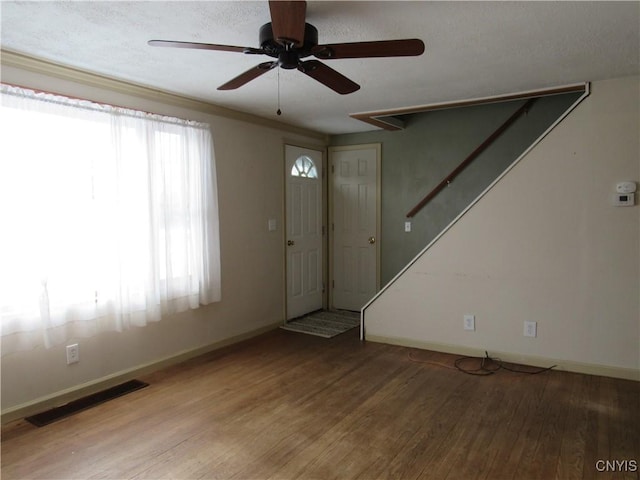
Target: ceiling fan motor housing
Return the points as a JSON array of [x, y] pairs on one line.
[[288, 55]]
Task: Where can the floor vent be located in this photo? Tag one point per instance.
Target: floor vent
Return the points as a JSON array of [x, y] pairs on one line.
[[55, 414]]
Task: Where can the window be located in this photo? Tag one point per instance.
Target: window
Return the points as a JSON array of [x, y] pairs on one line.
[[109, 216], [304, 167]]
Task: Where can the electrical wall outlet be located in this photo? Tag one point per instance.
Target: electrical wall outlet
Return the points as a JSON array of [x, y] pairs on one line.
[[530, 329], [470, 322], [73, 354]]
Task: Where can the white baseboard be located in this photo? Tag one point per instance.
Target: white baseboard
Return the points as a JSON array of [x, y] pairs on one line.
[[78, 391], [566, 365]]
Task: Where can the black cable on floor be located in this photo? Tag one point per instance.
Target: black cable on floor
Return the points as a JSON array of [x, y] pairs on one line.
[[490, 365]]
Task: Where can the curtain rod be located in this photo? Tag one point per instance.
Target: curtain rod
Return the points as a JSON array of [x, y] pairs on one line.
[[105, 104]]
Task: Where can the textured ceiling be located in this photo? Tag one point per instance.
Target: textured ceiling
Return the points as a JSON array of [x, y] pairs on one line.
[[473, 49]]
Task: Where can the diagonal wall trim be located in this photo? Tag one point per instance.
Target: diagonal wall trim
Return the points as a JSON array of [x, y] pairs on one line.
[[584, 87], [387, 119], [37, 65]]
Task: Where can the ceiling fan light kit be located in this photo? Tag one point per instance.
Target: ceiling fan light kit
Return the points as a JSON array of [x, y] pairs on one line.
[[289, 39]]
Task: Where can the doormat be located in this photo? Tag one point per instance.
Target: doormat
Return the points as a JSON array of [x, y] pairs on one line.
[[324, 323], [55, 414]]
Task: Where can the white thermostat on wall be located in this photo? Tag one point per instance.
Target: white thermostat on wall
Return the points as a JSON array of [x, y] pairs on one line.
[[624, 199], [625, 194], [626, 187]]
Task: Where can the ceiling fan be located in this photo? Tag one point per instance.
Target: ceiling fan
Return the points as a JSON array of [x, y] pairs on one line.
[[289, 39]]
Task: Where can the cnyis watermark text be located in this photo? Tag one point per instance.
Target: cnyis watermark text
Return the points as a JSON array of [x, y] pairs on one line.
[[617, 465]]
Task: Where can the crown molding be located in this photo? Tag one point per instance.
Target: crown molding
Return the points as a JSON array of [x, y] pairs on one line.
[[46, 67]]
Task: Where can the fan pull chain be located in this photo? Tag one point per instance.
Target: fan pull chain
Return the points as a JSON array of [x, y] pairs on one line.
[[278, 112]]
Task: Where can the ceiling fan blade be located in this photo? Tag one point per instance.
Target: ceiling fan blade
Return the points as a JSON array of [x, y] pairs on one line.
[[384, 48], [247, 76], [328, 76], [203, 46], [288, 21]]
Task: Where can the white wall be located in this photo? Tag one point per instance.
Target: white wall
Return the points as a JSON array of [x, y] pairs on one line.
[[544, 244], [250, 167]]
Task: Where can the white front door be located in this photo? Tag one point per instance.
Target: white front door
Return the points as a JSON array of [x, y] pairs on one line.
[[355, 230], [303, 170]]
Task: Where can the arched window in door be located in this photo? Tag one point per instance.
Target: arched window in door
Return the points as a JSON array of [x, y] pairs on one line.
[[304, 167]]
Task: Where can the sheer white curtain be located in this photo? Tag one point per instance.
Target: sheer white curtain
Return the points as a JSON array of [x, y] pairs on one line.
[[108, 218]]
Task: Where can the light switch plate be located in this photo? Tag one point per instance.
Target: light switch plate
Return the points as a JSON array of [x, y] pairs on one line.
[[470, 322], [530, 329]]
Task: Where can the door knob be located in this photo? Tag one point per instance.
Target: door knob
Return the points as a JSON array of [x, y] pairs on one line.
[[372, 240], [290, 242]]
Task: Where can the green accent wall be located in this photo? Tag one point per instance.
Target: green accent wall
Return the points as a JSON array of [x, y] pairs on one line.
[[432, 145]]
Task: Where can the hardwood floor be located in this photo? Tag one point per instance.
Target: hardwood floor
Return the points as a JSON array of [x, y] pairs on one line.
[[286, 405]]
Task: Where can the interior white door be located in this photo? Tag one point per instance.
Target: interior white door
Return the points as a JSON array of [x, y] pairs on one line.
[[354, 225], [303, 169]]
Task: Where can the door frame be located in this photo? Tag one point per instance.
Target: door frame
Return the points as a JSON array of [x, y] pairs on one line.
[[325, 258], [330, 220]]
